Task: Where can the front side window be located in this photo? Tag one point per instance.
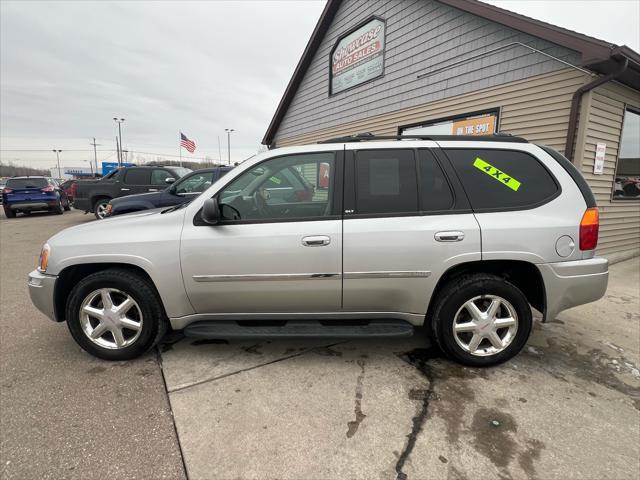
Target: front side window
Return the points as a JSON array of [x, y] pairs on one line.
[[281, 188], [158, 176], [386, 182], [502, 179], [196, 183], [626, 184]]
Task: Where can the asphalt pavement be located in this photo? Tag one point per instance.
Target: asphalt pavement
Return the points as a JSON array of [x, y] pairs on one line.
[[568, 407]]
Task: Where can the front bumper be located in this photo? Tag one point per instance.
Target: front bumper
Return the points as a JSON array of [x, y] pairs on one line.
[[41, 288], [569, 284]]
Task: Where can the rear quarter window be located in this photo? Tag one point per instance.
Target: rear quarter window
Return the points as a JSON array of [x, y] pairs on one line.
[[503, 179]]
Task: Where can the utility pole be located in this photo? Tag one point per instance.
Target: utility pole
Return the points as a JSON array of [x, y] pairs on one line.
[[119, 121], [95, 155], [219, 151], [229, 130], [57, 152]]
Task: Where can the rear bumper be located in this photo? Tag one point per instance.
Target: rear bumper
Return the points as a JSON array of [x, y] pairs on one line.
[[41, 287], [40, 205], [569, 284]]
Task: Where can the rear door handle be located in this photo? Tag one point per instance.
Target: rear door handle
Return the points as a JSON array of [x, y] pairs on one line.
[[316, 241], [153, 189], [124, 189], [449, 236]]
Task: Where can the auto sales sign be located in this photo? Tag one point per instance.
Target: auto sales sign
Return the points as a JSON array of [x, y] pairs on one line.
[[358, 57]]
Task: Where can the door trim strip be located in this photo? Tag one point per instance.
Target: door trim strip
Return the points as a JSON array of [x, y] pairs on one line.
[[258, 277], [386, 274]]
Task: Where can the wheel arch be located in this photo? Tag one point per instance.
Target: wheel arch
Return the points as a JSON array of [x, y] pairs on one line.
[[97, 197], [524, 275], [71, 275]]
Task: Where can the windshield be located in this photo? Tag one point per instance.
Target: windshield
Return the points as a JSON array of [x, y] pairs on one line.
[[36, 182]]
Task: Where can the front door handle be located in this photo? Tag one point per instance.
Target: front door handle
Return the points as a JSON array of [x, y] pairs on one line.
[[153, 189], [124, 189], [449, 236], [316, 241]]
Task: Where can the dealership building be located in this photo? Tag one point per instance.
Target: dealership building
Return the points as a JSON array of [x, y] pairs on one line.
[[462, 67]]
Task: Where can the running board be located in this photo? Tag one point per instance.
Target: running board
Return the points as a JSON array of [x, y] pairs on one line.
[[297, 329]]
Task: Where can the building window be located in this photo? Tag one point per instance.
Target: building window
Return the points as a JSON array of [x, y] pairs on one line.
[[626, 183], [479, 123]]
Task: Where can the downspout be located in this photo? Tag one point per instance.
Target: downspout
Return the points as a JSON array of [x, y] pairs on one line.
[[576, 100]]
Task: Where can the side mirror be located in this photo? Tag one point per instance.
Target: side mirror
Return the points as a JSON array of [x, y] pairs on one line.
[[211, 211], [169, 180]]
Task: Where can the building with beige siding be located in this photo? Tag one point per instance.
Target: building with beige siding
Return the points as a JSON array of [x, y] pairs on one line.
[[393, 67]]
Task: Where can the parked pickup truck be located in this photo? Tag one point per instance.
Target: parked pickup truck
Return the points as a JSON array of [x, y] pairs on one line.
[[94, 196], [183, 190]]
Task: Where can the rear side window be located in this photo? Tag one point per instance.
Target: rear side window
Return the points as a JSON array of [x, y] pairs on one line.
[[16, 183], [435, 193], [502, 179], [137, 176], [386, 182]]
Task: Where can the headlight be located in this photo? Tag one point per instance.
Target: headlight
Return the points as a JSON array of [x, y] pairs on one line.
[[43, 261]]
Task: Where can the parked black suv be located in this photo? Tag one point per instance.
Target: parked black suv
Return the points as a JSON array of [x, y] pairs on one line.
[[94, 196], [183, 190]]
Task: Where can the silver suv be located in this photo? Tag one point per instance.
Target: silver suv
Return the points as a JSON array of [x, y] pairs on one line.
[[353, 237]]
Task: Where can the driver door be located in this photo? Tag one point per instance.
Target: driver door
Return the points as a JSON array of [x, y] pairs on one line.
[[278, 248]]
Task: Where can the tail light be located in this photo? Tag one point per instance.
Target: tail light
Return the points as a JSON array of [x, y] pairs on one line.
[[589, 226], [48, 188], [7, 190]]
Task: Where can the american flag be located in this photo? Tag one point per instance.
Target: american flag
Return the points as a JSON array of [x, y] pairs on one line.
[[190, 145]]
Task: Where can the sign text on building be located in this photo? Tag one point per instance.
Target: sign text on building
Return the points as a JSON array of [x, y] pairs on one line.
[[358, 57]]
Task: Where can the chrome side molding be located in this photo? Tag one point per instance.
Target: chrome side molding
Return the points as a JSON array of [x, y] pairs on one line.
[[259, 277], [386, 274]]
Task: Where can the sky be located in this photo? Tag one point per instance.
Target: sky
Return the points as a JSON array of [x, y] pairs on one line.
[[68, 67]]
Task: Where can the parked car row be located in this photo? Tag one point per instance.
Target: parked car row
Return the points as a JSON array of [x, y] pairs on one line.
[[353, 237]]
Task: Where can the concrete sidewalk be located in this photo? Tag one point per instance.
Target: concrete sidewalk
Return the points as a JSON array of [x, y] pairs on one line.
[[566, 408]]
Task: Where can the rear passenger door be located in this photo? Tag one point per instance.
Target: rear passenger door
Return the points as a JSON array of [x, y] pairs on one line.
[[406, 221], [136, 180]]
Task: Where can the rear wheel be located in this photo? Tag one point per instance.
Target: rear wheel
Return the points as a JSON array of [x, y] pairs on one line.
[[9, 213], [58, 209], [100, 208], [67, 205], [115, 315], [481, 320]]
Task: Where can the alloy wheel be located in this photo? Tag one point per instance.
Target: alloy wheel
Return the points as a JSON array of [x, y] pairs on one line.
[[110, 318], [485, 325], [101, 210]]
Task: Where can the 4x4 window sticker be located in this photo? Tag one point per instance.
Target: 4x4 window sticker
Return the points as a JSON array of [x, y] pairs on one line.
[[502, 177]]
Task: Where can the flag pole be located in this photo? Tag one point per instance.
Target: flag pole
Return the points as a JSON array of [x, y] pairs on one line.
[[180, 146]]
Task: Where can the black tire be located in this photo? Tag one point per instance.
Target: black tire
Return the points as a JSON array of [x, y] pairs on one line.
[[9, 213], [451, 299], [58, 209], [154, 324], [97, 207], [67, 206]]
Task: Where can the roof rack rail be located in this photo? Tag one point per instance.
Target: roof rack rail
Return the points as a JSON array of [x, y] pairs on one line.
[[367, 136]]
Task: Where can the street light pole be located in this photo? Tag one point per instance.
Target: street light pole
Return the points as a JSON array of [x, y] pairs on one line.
[[95, 154], [57, 152], [119, 121], [229, 130]]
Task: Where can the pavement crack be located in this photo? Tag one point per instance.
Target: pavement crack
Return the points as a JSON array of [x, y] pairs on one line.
[[219, 377], [352, 427], [173, 419], [417, 422]]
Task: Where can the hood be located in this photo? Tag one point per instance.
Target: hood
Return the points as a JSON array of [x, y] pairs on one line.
[[145, 197]]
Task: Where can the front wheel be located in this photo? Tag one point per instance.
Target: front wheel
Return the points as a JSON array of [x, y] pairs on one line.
[[481, 320], [100, 208], [115, 314]]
